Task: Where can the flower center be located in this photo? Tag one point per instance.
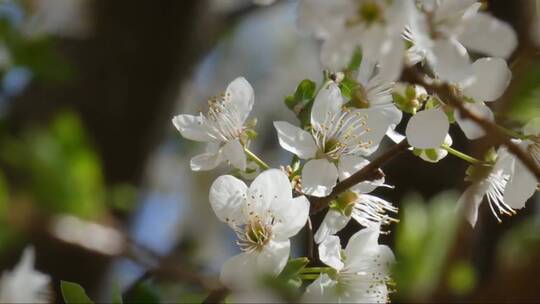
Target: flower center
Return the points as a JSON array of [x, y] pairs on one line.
[[344, 203], [370, 12], [341, 133], [254, 236], [223, 121], [359, 98]]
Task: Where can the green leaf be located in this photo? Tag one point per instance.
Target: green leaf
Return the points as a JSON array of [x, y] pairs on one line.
[[73, 293], [293, 268], [356, 60], [462, 278], [144, 293]]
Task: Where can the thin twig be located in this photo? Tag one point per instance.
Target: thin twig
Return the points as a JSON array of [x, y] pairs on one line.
[[447, 93], [369, 172]]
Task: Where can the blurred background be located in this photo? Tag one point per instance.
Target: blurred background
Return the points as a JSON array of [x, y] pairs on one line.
[[94, 175]]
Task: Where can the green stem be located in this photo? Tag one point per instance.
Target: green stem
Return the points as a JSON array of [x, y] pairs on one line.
[[256, 159], [512, 133], [315, 269], [461, 155], [311, 277]]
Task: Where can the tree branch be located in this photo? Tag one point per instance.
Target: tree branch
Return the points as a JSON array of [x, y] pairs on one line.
[[447, 93], [369, 172]]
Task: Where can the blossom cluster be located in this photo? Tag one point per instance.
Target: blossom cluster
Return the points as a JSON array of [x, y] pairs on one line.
[[342, 124]]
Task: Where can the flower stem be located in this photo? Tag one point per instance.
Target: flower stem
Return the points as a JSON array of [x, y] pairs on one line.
[[461, 155], [512, 133], [310, 277], [256, 159], [314, 270]]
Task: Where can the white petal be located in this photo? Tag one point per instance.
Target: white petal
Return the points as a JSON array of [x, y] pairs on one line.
[[319, 177], [295, 140], [449, 9], [395, 136], [206, 161], [234, 153], [532, 127], [337, 51], [227, 198], [242, 97], [350, 164], [330, 252], [191, 127], [392, 56], [492, 77], [471, 129], [332, 223], [290, 216], [427, 129], [450, 61], [521, 186], [486, 34], [378, 123], [362, 242], [321, 291], [271, 185], [273, 257], [469, 202], [327, 103], [240, 271]]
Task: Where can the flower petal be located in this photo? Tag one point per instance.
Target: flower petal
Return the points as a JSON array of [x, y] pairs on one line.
[[242, 97], [295, 140], [471, 129], [322, 290], [427, 129], [319, 177], [377, 123], [240, 271], [450, 61], [350, 164], [327, 104], [492, 77], [273, 257], [191, 127], [227, 198], [271, 185], [532, 127], [332, 223], [206, 161], [521, 186], [290, 216], [469, 202], [330, 252], [337, 50], [361, 242], [486, 34], [234, 153]]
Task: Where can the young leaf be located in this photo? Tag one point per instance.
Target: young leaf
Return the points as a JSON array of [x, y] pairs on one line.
[[74, 293]]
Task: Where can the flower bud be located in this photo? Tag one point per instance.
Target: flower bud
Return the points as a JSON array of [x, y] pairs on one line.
[[409, 98]]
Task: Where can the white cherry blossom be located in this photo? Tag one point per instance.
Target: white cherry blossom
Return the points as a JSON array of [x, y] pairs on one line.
[[264, 217], [336, 131], [361, 270], [442, 31], [522, 184], [24, 284], [373, 25], [366, 209], [489, 181], [222, 127]]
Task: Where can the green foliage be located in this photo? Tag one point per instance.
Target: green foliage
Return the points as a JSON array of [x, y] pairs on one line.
[[291, 272], [301, 101], [73, 293], [518, 245], [58, 168], [462, 278], [424, 236], [525, 105], [356, 60], [145, 293]]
